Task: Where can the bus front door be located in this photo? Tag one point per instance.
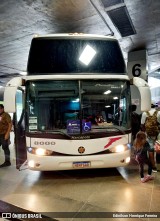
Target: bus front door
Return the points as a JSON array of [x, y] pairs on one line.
[[19, 130]]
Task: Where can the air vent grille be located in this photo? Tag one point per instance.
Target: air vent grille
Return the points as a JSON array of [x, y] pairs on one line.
[[121, 19]]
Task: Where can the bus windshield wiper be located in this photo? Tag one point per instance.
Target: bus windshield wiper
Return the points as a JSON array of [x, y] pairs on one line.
[[117, 128], [112, 128]]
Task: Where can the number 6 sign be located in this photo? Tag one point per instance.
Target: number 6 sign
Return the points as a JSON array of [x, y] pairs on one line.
[[136, 66], [136, 70]]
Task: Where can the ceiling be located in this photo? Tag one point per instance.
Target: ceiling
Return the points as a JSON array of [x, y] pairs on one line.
[[136, 24]]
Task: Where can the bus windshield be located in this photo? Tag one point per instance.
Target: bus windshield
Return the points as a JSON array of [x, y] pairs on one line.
[[75, 56], [75, 107]]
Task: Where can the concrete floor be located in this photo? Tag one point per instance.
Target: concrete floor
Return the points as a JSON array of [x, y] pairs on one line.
[[97, 190]]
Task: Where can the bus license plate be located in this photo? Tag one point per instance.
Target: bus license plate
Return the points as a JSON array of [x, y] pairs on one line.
[[85, 164]]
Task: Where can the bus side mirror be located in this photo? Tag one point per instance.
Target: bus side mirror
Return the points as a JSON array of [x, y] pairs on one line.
[[10, 99], [10, 94], [145, 92]]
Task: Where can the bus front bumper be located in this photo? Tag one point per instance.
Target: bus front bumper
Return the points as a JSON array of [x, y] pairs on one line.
[[50, 163]]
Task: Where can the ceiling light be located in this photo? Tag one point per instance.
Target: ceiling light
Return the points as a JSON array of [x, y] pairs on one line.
[[115, 98], [107, 92], [23, 73]]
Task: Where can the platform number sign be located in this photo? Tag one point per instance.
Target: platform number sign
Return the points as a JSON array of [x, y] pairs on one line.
[[136, 70]]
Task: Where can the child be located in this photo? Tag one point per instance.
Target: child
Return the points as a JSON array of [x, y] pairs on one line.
[[141, 148]]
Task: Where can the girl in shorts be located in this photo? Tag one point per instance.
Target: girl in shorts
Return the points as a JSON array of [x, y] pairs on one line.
[[141, 150]]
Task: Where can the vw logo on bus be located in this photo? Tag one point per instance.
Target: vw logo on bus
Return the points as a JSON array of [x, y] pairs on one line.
[[81, 149]]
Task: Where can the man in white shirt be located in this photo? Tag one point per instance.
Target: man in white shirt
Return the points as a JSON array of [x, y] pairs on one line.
[[151, 139]]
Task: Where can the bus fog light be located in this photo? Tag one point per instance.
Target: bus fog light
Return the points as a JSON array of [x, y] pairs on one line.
[[128, 159], [31, 163]]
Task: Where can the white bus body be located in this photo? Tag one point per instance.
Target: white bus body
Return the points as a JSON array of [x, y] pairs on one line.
[[73, 110]]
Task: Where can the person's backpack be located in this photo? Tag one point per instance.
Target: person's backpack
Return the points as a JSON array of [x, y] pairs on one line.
[[151, 124]]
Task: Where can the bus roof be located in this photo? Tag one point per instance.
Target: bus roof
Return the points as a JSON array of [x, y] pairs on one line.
[[75, 35]]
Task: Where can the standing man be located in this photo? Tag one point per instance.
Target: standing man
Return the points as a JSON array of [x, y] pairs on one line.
[[152, 130], [5, 128]]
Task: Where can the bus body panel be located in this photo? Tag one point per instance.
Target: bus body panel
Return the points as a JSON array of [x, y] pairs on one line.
[[71, 146], [47, 163], [68, 150]]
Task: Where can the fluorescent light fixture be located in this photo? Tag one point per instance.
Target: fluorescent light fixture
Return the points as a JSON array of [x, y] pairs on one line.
[[23, 73], [115, 98], [87, 55], [107, 106], [107, 92]]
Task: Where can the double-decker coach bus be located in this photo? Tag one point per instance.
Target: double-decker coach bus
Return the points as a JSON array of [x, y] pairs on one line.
[[73, 108]]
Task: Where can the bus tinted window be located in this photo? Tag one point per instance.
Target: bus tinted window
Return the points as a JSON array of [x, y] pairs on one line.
[[75, 56]]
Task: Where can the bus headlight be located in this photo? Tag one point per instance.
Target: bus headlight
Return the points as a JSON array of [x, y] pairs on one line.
[[40, 151], [119, 148]]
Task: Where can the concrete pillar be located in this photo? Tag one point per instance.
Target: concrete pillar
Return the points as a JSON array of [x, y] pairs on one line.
[[137, 67]]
